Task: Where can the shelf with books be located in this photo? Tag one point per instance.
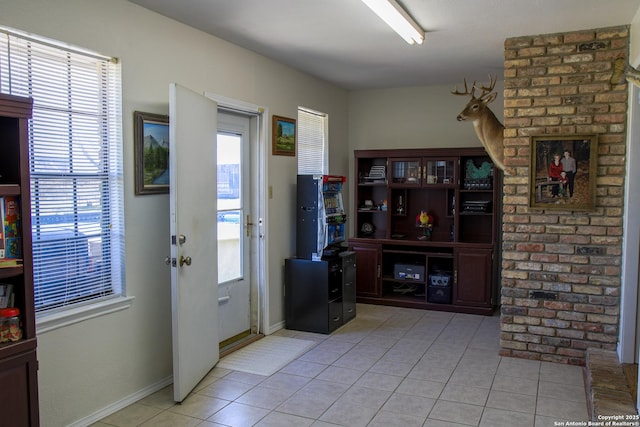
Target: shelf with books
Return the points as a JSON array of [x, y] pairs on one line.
[[10, 262], [18, 359], [7, 297]]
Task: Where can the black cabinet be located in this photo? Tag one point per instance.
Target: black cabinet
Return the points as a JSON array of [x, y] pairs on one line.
[[319, 295], [348, 285]]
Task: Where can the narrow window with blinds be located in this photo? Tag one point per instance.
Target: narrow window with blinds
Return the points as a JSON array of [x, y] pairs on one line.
[[75, 161], [312, 142]]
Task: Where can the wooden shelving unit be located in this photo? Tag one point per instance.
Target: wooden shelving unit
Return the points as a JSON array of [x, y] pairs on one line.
[[460, 189], [18, 362]]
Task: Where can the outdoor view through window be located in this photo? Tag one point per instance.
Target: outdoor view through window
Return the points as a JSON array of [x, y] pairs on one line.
[[229, 207]]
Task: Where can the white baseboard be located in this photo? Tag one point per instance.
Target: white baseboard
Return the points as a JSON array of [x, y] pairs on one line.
[[122, 403], [273, 328], [141, 394]]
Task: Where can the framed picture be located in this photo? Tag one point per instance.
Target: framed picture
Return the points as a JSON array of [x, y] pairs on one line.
[[284, 136], [151, 155], [563, 172]]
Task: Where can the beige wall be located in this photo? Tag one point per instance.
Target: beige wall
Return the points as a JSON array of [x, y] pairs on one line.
[[88, 366], [634, 40], [413, 117]]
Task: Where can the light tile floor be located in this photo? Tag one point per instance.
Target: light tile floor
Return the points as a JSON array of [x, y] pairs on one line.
[[388, 367]]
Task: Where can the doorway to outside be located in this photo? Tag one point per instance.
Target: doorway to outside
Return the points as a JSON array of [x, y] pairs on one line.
[[238, 227]]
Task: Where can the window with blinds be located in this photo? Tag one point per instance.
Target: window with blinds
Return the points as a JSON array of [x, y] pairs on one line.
[[312, 142], [75, 162]]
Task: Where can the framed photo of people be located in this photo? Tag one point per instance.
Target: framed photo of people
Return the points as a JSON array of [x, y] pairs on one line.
[[563, 172]]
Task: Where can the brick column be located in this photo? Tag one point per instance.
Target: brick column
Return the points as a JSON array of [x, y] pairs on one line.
[[561, 270]]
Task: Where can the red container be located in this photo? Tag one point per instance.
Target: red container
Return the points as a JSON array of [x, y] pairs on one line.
[[10, 328]]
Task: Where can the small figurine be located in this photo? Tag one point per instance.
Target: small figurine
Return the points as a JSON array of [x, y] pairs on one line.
[[425, 221]]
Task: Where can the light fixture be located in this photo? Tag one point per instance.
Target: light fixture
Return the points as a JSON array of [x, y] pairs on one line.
[[398, 19]]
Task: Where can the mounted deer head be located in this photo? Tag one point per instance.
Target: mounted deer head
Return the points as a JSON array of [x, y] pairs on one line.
[[485, 123]]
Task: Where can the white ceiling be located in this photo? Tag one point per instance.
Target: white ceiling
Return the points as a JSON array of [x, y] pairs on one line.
[[343, 42]]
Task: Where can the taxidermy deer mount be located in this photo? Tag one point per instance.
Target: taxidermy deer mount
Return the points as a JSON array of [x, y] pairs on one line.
[[623, 71], [488, 129]]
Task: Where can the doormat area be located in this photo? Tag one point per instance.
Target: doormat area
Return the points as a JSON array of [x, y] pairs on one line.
[[265, 356]]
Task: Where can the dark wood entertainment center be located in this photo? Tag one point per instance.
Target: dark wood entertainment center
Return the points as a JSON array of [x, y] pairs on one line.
[[400, 262]]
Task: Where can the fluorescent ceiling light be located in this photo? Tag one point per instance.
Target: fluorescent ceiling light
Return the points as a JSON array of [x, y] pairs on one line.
[[398, 19]]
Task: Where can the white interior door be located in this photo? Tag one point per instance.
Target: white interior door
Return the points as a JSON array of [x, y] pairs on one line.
[[234, 227], [194, 272]]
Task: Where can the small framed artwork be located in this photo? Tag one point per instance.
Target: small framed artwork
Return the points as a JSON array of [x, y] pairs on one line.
[[284, 136], [151, 153], [563, 172]]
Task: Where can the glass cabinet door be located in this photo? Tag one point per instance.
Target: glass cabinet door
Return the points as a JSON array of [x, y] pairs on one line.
[[439, 171], [405, 172]]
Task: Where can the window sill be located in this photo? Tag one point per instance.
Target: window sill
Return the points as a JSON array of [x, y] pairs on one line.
[[49, 322]]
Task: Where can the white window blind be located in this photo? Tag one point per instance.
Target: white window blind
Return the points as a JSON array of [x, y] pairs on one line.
[[312, 142], [75, 162]]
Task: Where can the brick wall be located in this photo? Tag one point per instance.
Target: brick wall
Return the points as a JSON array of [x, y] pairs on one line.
[[561, 270]]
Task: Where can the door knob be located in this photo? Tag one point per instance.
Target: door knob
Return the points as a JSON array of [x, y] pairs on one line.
[[185, 260]]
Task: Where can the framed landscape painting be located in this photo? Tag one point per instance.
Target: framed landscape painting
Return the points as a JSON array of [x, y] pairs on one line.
[[151, 155], [284, 136], [563, 172]]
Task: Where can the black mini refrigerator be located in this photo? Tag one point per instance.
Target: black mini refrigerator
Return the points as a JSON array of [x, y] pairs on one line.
[[320, 217]]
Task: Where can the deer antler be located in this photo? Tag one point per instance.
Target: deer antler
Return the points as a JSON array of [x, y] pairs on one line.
[[466, 91], [486, 91]]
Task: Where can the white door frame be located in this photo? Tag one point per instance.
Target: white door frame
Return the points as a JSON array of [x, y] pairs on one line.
[[627, 342], [259, 265]]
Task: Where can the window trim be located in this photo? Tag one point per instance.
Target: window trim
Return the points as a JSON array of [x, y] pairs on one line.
[[50, 321]]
